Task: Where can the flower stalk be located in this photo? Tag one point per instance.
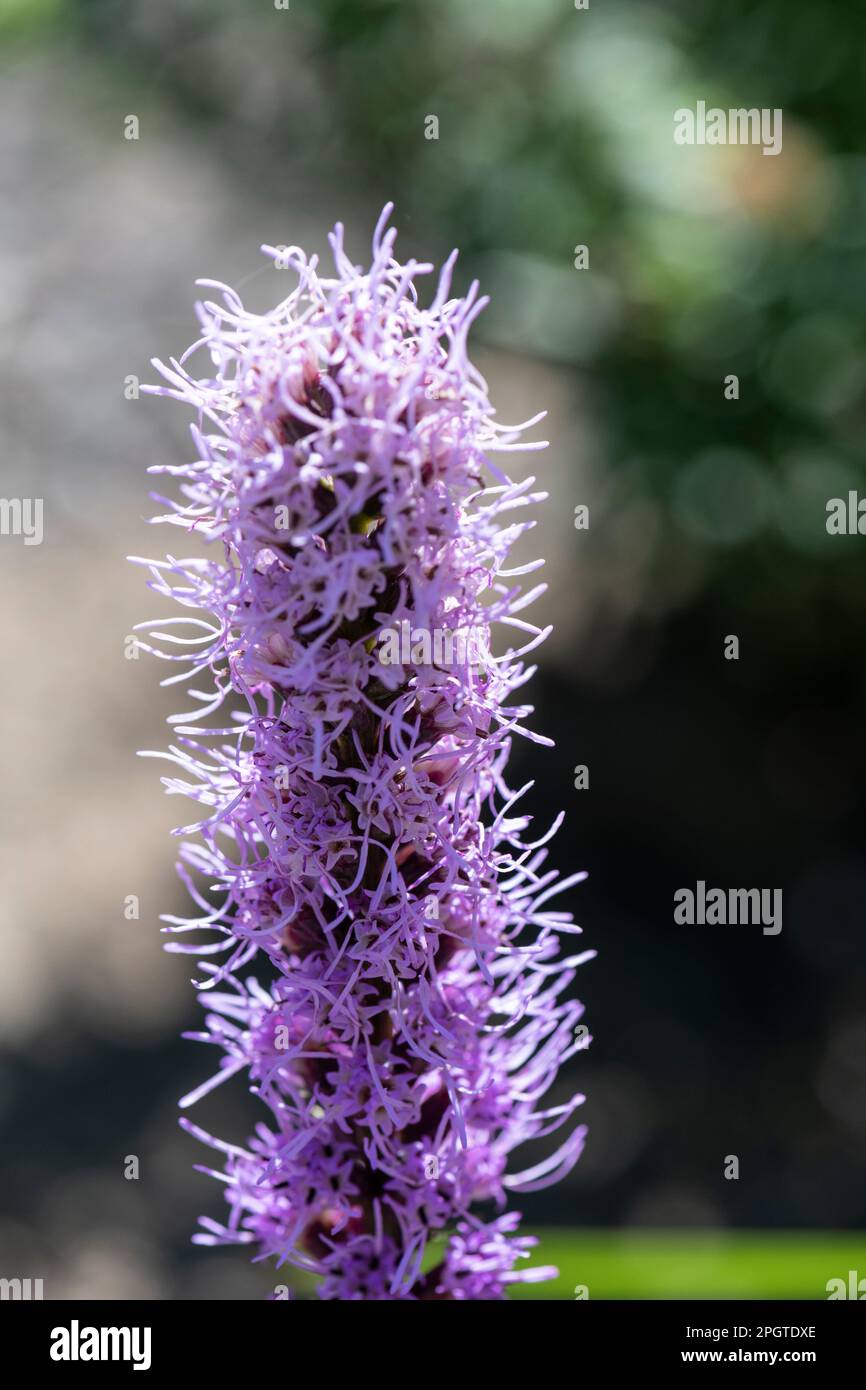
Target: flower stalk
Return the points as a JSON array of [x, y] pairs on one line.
[[409, 1006]]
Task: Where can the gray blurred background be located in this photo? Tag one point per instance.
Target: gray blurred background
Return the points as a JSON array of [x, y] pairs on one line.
[[707, 518]]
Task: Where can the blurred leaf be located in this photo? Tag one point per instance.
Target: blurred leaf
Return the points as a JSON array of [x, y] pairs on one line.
[[701, 1264]]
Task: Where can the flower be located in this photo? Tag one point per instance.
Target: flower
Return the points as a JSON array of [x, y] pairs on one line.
[[357, 839]]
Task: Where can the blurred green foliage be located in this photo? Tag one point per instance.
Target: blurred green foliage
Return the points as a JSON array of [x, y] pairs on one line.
[[695, 1264], [555, 129], [28, 17]]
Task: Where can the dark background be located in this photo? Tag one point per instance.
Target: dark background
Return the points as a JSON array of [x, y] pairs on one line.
[[707, 518]]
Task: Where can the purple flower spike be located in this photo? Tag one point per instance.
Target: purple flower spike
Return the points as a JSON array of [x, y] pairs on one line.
[[357, 838]]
